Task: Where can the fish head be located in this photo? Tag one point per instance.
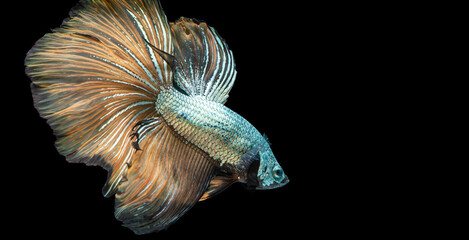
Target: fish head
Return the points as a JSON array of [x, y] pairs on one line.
[[270, 174], [264, 171]]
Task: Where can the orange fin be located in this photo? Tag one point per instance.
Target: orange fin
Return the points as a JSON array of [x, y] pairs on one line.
[[217, 185], [94, 78], [167, 177]]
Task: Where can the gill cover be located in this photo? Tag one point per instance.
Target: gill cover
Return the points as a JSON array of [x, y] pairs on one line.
[[263, 170], [270, 173]]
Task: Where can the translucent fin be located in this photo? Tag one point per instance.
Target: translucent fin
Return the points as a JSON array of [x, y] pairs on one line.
[[206, 66], [217, 185], [166, 178], [95, 78]]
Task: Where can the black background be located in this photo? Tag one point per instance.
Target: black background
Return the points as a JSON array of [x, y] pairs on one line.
[[287, 86]]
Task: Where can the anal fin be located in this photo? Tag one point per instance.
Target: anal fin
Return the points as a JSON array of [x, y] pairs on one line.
[[166, 178]]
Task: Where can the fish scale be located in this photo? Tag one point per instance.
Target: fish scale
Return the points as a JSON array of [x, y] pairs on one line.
[[211, 126]]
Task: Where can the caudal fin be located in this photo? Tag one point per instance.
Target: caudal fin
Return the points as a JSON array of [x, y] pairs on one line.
[[95, 77]]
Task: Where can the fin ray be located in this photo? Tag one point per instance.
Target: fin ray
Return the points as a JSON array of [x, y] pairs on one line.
[[217, 185], [95, 77], [206, 64], [165, 180]]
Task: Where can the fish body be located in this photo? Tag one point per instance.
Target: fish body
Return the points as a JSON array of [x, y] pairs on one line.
[[211, 126], [124, 89]]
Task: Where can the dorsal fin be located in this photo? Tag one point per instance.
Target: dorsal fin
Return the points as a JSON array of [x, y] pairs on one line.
[[205, 64], [172, 62]]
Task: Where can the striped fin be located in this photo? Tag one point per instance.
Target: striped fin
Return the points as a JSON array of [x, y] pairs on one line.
[[164, 180], [95, 78], [205, 64]]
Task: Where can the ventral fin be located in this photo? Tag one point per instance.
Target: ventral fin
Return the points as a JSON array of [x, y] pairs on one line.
[[207, 67], [217, 185]]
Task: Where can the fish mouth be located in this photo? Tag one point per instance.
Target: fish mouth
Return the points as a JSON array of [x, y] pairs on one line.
[[275, 185]]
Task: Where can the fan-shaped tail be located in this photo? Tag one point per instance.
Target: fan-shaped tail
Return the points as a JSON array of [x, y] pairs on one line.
[[95, 77]]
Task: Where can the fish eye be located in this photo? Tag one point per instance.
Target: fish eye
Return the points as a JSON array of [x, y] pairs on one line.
[[277, 173]]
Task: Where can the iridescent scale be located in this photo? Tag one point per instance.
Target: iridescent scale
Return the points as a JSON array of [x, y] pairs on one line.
[[211, 126]]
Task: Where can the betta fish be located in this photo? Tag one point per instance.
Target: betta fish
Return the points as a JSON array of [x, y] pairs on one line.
[[124, 89]]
